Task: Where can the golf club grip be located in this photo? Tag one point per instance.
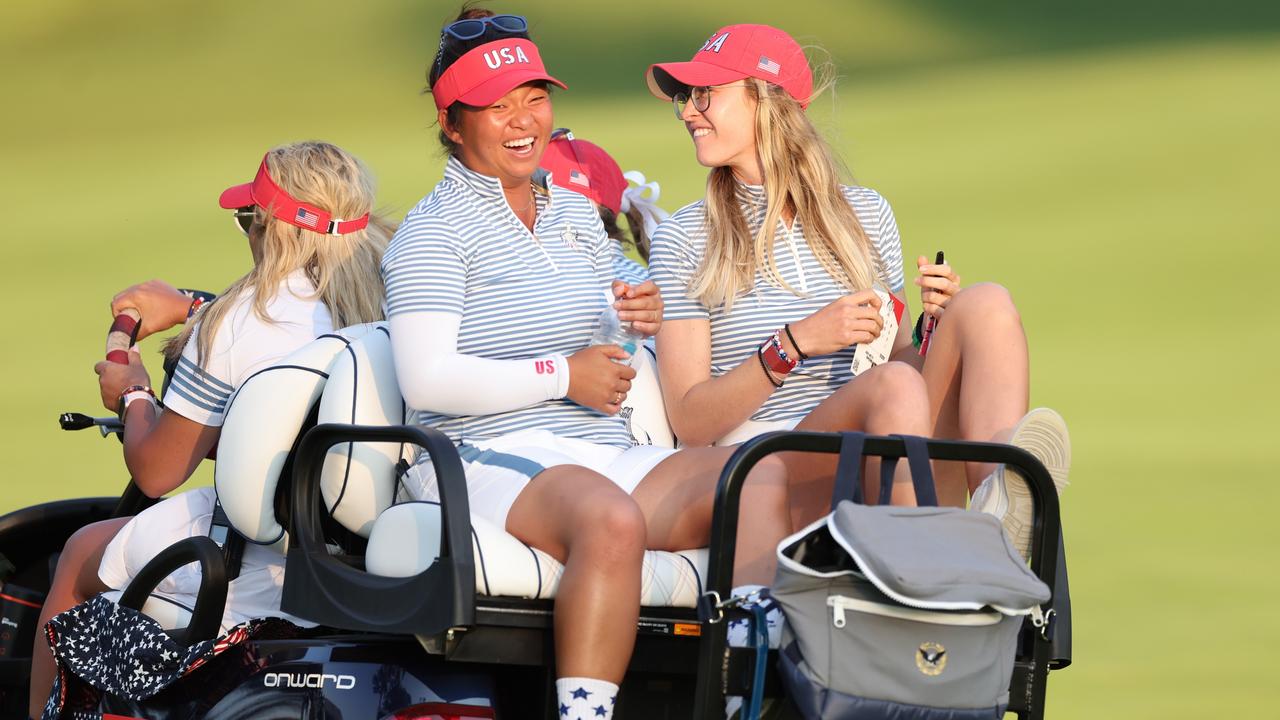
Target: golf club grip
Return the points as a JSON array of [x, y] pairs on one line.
[[124, 330]]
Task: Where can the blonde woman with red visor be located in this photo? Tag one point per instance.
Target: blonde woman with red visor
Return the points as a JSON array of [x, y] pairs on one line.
[[316, 247], [495, 282], [778, 284], [586, 168]]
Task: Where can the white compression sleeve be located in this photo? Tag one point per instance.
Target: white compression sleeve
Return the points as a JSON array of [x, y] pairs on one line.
[[433, 376]]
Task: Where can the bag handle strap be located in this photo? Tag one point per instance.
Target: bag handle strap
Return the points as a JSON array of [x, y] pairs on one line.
[[921, 474], [848, 484]]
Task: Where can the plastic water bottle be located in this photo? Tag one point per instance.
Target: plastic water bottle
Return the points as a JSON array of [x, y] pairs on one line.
[[610, 330]]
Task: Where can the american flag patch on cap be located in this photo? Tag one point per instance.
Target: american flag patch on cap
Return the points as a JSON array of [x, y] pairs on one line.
[[578, 178], [769, 66], [305, 217]]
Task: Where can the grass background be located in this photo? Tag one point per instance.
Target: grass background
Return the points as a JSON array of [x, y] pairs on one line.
[[1112, 163]]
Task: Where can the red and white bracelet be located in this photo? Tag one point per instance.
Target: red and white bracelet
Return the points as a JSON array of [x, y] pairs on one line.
[[136, 392], [775, 357]]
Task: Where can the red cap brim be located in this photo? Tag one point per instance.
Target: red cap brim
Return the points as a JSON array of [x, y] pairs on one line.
[[666, 79], [236, 196], [488, 92]]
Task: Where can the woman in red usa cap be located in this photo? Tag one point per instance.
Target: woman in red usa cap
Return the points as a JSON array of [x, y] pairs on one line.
[[316, 247], [495, 283], [792, 284]]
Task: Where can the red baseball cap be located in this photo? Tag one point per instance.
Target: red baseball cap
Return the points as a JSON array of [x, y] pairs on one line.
[[266, 194], [487, 72], [735, 52], [584, 168]]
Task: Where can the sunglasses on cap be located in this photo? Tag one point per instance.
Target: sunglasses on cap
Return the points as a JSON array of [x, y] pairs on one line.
[[699, 95], [473, 28], [244, 218]]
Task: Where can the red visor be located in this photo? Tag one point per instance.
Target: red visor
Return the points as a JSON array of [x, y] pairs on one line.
[[264, 193], [488, 72]]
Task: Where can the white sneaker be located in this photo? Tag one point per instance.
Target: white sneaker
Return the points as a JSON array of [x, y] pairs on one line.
[[1006, 495]]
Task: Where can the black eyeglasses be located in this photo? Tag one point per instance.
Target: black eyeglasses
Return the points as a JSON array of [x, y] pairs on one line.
[[700, 95], [244, 218], [473, 28]]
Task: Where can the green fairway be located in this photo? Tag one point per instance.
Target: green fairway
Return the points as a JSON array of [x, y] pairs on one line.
[[1114, 168]]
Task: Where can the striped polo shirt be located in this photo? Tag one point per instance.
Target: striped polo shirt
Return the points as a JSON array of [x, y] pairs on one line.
[[679, 245], [519, 294], [626, 269], [244, 344]]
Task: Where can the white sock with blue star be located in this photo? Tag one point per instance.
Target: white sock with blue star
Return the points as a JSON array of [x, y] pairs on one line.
[[586, 698]]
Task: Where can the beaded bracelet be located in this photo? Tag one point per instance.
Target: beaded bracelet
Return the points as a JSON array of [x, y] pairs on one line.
[[776, 341], [774, 357], [195, 306]]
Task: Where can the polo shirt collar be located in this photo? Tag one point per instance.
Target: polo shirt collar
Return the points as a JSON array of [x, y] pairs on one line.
[[487, 187], [750, 195]]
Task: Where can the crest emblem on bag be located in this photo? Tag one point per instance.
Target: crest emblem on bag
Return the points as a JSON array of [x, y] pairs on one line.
[[931, 659]]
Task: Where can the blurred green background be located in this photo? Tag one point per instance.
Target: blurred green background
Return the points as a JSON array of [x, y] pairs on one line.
[[1111, 162]]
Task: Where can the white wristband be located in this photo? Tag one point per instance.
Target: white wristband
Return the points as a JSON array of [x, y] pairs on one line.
[[139, 395]]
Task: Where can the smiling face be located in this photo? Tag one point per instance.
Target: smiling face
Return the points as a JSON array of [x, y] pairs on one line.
[[725, 133], [506, 139]]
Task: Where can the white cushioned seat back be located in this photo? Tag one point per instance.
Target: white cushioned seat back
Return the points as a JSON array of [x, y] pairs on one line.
[[358, 480], [643, 409], [406, 540], [262, 422], [255, 593]]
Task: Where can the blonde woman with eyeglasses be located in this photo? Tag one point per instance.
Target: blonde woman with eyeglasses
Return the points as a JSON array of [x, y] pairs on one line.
[[778, 289], [316, 246]]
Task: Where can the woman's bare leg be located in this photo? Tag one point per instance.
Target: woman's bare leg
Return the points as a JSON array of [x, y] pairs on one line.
[[585, 521], [74, 581], [888, 398], [677, 498], [977, 374]]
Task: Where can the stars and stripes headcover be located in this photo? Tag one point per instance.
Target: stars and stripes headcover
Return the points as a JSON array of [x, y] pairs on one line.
[[101, 647]]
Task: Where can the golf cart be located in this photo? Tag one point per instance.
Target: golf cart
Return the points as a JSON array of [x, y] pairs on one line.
[[423, 611]]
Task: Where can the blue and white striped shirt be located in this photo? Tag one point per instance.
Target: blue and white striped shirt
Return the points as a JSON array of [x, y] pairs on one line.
[[626, 269], [519, 294], [679, 245], [243, 344]]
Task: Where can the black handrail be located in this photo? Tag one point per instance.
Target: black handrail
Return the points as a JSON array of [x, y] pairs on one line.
[[326, 590], [1046, 533], [211, 599]]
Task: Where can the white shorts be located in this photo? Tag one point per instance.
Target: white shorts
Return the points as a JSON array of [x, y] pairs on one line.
[[499, 469], [255, 593], [752, 428]]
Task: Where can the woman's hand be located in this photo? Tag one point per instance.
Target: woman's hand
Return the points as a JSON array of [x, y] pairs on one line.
[[640, 305], [159, 303], [596, 381], [938, 284], [113, 378], [850, 320]]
